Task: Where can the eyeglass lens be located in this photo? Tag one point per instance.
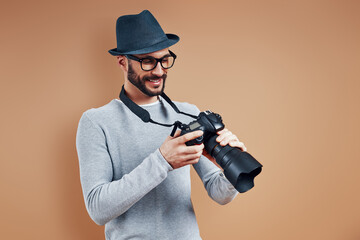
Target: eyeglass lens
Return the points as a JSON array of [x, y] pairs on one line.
[[150, 63]]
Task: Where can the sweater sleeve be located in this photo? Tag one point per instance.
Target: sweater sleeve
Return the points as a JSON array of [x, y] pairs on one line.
[[105, 198], [215, 183]]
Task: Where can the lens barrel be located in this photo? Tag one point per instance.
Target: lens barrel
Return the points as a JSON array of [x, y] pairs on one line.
[[240, 168]]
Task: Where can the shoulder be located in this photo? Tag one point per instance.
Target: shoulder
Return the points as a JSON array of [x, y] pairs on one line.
[[102, 112], [187, 107]]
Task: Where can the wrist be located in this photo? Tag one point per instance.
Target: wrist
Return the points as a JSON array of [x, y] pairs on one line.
[[166, 162]]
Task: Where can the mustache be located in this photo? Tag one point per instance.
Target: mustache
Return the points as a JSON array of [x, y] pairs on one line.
[[153, 77]]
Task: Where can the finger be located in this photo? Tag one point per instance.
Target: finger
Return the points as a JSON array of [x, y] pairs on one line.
[[191, 157], [192, 161], [187, 157], [228, 139], [223, 135], [177, 133], [222, 131], [195, 161], [238, 144], [189, 136], [194, 149]]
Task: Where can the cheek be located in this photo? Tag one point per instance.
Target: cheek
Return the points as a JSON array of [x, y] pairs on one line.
[[142, 76]]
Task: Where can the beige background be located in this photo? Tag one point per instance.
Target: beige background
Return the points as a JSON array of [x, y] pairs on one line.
[[283, 74]]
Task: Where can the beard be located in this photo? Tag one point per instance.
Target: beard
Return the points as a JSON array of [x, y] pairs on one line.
[[140, 82]]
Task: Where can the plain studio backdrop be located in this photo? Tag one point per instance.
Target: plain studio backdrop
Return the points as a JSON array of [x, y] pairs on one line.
[[283, 74]]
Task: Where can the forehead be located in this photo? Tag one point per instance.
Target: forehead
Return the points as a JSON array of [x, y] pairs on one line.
[[157, 54]]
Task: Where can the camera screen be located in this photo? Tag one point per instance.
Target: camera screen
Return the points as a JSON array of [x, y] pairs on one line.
[[194, 125]]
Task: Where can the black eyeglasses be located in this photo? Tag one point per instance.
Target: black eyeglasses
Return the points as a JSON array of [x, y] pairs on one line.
[[150, 63]]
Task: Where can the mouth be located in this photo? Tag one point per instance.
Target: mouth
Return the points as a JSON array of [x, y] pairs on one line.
[[155, 82]]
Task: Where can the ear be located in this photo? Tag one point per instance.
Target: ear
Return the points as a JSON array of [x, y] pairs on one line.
[[123, 62]]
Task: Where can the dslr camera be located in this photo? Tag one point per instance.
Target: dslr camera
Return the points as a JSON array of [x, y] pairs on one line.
[[240, 168]]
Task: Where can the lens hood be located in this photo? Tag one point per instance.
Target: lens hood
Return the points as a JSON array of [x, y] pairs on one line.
[[240, 168]]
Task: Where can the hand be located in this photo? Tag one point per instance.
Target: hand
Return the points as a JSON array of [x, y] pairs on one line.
[[226, 137], [177, 154]]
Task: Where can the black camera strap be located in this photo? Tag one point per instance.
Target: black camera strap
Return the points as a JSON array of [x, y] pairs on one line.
[[145, 115]]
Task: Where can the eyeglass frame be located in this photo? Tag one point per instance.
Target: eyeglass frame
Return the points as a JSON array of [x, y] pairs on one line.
[[158, 60]]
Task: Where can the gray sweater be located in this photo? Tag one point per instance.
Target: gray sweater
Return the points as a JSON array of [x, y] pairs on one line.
[[128, 185]]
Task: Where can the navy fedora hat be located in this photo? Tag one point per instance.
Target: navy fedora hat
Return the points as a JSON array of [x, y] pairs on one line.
[[140, 33]]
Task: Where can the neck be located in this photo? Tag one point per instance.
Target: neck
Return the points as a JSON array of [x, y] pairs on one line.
[[138, 96]]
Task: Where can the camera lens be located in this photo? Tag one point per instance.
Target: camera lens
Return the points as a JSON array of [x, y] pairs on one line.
[[240, 168]]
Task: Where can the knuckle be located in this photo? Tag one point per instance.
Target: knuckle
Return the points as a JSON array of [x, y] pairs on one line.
[[197, 150], [192, 150], [182, 149]]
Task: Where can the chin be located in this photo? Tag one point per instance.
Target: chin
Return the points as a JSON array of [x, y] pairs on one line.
[[155, 93], [156, 90]]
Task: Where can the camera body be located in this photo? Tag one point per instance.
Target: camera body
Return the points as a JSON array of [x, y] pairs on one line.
[[240, 168], [208, 122]]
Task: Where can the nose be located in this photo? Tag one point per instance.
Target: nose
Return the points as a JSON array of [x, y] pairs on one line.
[[158, 70]]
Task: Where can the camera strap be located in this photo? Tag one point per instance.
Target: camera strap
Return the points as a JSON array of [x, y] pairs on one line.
[[145, 115]]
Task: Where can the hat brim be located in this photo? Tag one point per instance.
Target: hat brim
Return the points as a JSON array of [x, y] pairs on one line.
[[172, 39]]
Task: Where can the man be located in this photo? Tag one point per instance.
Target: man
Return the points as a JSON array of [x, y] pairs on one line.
[[135, 177]]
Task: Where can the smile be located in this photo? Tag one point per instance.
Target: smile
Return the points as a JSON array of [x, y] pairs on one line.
[[155, 80]]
